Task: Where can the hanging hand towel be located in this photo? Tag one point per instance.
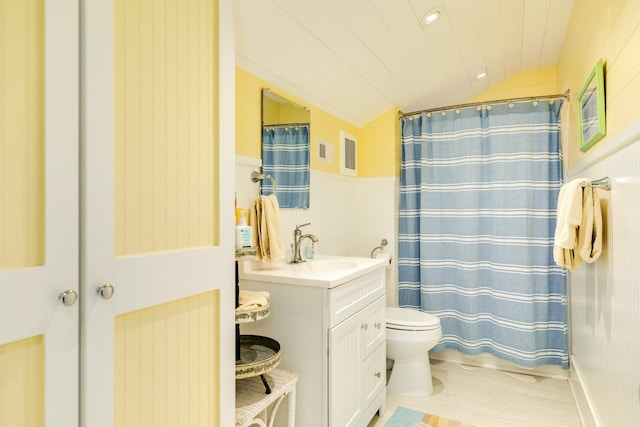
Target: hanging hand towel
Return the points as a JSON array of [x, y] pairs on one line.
[[271, 219], [569, 216], [267, 229], [590, 231], [566, 258]]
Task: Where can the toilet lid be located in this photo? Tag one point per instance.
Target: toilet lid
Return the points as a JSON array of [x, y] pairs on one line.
[[409, 318]]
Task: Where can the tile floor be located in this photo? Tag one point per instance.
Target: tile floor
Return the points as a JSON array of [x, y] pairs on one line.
[[486, 397]]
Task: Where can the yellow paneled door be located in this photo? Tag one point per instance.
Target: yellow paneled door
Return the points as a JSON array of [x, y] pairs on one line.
[[157, 261], [39, 213]]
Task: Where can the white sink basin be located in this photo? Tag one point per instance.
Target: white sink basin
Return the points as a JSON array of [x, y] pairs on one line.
[[324, 271], [327, 265]]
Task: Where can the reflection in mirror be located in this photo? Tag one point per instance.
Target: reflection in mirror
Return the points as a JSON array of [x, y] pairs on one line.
[[285, 149]]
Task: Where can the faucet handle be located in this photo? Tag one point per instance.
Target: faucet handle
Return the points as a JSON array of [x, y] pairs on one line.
[[298, 227]]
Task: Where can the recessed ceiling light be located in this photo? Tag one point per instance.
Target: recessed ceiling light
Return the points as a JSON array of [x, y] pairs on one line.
[[431, 16], [481, 75]]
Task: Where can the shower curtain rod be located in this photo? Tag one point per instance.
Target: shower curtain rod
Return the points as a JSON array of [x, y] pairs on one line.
[[286, 125], [565, 95]]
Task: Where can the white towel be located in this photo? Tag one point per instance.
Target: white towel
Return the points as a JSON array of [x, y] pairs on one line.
[[566, 258], [590, 231], [267, 229], [252, 299], [569, 216]]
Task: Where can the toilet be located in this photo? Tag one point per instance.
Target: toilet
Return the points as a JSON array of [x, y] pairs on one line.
[[410, 335]]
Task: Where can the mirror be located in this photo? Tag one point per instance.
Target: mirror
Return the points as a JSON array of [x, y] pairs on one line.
[[285, 150]]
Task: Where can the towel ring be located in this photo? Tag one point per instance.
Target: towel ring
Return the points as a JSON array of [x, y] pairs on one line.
[[257, 176]]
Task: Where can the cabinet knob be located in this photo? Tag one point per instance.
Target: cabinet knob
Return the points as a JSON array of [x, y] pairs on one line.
[[105, 291], [364, 326], [68, 297], [378, 325], [377, 374]]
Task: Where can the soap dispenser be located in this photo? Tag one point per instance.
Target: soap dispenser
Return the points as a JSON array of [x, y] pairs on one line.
[[244, 233]]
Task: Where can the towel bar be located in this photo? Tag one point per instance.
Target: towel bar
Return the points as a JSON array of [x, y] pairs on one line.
[[379, 248], [604, 183]]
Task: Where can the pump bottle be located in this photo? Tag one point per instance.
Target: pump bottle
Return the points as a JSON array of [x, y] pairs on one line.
[[244, 233]]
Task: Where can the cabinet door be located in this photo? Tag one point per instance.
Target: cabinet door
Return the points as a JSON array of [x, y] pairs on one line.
[[156, 241], [345, 365], [38, 212]]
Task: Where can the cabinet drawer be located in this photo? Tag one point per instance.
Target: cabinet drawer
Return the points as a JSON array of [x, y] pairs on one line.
[[350, 297], [372, 326], [374, 374]]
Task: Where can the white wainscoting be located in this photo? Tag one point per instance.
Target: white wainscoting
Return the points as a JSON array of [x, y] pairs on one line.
[[604, 297]]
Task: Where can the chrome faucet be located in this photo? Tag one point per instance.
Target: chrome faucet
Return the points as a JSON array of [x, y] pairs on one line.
[[298, 237]]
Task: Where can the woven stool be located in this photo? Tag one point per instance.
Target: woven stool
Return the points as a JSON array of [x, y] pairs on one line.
[[255, 407]]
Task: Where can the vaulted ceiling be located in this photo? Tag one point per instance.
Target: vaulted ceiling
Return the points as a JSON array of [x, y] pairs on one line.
[[357, 58]]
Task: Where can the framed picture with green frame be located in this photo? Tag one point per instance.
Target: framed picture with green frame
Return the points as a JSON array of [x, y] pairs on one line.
[[591, 108]]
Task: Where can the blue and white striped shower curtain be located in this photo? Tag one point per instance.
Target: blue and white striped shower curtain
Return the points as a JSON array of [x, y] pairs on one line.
[[479, 188], [285, 156]]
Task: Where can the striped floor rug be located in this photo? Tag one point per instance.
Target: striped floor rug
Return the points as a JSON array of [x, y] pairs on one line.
[[404, 417]]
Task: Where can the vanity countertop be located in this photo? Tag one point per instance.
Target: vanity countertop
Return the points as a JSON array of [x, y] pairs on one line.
[[323, 271]]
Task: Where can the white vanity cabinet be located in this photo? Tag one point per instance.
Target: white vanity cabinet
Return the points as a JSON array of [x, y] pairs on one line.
[[334, 338], [357, 363]]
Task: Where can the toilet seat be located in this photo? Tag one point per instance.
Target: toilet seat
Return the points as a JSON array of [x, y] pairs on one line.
[[408, 319]]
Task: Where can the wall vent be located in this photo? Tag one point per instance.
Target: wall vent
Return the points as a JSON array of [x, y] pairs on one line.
[[348, 154], [325, 151]]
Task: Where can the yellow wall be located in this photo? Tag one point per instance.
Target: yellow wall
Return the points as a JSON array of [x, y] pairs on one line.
[[22, 383], [167, 365], [166, 188], [248, 113], [606, 29], [379, 148], [249, 122], [22, 191]]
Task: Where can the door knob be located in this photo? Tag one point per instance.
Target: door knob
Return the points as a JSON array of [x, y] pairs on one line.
[[68, 297], [105, 291]]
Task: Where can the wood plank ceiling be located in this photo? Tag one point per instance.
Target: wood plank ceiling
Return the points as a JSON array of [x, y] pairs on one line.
[[358, 58]]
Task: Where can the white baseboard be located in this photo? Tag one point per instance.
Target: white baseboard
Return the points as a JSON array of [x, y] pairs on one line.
[[581, 397]]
